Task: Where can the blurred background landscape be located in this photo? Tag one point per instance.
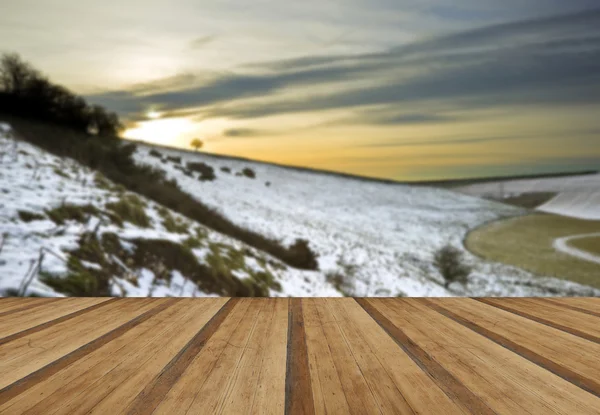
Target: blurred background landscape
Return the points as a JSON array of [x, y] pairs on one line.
[[350, 148]]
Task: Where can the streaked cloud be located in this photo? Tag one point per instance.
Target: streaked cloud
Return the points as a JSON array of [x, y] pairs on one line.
[[381, 76]]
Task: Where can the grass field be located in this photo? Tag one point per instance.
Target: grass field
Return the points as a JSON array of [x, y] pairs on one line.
[[526, 242], [591, 244]]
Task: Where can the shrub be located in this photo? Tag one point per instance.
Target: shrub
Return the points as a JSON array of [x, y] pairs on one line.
[[155, 153], [300, 253], [131, 209], [225, 169], [77, 283], [174, 159], [268, 184], [171, 224], [339, 282], [207, 173], [248, 172], [27, 216], [448, 261], [65, 212]]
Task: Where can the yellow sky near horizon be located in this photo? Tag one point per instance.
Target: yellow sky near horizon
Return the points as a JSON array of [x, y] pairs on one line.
[[401, 152]]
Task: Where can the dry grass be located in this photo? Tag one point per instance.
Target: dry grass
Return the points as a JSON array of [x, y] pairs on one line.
[[526, 242], [591, 244]]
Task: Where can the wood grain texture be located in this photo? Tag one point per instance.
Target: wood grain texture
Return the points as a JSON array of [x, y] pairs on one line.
[[489, 370], [24, 305], [444, 379], [526, 338], [569, 321], [574, 306], [299, 356]]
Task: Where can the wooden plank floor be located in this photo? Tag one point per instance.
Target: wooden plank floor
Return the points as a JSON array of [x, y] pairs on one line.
[[299, 356]]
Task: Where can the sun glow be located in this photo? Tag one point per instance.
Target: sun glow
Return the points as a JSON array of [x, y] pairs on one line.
[[161, 131], [153, 115]]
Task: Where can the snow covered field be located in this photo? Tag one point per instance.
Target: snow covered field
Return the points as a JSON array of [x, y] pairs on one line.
[[380, 237], [577, 196], [385, 233], [34, 181], [586, 182], [579, 204]]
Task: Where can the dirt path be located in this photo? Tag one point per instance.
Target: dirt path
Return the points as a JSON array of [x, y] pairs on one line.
[[561, 244]]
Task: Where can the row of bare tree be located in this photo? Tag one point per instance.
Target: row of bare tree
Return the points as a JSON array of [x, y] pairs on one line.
[[26, 92]]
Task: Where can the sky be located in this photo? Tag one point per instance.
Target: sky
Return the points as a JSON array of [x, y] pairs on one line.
[[397, 89]]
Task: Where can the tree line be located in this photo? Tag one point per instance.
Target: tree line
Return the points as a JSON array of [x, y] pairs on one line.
[[26, 92]]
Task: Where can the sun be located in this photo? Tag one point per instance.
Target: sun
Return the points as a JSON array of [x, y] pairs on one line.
[[153, 115], [161, 131]]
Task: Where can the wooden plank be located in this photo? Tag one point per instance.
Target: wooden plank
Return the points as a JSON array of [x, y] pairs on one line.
[[152, 395], [19, 305], [355, 380], [269, 397], [372, 346], [566, 304], [570, 321], [12, 324], [210, 361], [22, 385], [444, 379], [60, 386], [212, 395], [56, 321], [246, 378], [318, 355], [504, 380], [591, 304], [322, 377], [567, 356], [121, 387], [28, 354], [367, 386]]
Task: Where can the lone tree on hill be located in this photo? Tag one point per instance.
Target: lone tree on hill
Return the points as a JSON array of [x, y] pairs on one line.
[[196, 144]]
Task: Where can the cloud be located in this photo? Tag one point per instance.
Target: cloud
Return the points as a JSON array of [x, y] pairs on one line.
[[244, 132], [547, 61], [202, 41]]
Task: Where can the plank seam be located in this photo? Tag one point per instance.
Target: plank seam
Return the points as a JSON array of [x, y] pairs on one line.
[[298, 389], [571, 307], [29, 307], [347, 343], [451, 386], [153, 394], [540, 320], [23, 384], [56, 321], [589, 385]]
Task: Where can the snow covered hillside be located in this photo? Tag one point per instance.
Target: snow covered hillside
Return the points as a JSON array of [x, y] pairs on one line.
[[579, 204], [576, 196], [380, 237], [65, 230], [543, 184]]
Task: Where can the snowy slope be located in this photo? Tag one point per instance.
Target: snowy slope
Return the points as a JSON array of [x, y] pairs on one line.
[[386, 233], [586, 182], [579, 204], [34, 181], [577, 196]]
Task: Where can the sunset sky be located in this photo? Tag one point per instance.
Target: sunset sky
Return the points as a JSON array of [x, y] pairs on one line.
[[401, 89]]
